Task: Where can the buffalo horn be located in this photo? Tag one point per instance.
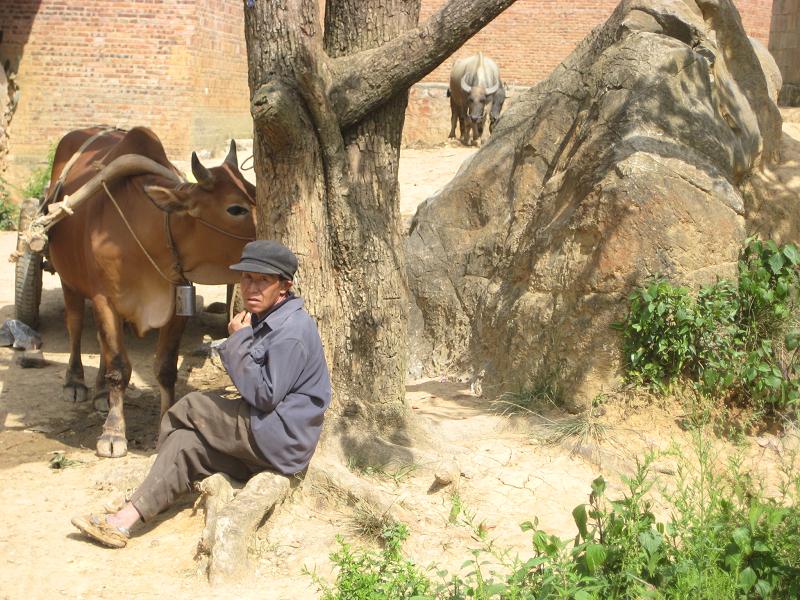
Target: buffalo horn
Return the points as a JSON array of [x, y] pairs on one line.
[[491, 90], [231, 159], [201, 174], [464, 85]]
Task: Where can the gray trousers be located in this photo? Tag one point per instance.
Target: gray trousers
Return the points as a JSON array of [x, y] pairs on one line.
[[201, 434]]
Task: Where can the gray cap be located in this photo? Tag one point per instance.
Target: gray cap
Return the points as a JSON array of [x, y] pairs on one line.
[[269, 257]]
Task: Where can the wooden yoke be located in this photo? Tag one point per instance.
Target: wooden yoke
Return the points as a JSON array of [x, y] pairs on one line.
[[129, 164]]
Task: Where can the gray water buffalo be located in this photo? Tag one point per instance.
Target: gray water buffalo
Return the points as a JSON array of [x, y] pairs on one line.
[[474, 81]]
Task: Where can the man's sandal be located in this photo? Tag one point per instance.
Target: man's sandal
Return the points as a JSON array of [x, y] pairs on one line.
[[99, 529]]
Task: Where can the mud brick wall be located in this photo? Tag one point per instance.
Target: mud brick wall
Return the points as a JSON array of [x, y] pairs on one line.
[[180, 66]]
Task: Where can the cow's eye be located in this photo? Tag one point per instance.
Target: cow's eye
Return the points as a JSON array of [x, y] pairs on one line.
[[237, 211]]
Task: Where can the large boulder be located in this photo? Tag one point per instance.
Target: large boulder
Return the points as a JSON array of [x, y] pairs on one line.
[[626, 163], [772, 71]]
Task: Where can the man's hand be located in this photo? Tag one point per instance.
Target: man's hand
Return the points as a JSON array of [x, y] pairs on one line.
[[238, 321]]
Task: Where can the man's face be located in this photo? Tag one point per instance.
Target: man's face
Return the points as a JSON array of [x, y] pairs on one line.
[[261, 292]]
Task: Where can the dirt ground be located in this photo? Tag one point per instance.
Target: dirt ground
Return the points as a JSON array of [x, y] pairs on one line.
[[509, 475]]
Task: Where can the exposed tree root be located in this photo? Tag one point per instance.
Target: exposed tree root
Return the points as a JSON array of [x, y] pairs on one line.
[[333, 478], [378, 452], [232, 516], [234, 512]]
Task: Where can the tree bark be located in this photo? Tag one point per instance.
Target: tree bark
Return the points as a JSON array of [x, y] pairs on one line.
[[329, 106]]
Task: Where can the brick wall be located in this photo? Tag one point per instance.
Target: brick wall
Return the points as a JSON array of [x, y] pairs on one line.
[[784, 44], [177, 66], [99, 61], [532, 37], [221, 108], [180, 66], [756, 17]]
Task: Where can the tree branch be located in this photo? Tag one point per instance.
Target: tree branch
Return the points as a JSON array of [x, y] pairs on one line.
[[365, 80]]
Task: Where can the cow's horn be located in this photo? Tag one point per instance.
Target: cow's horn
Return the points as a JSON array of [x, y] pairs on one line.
[[493, 89], [231, 159], [464, 85], [201, 174]]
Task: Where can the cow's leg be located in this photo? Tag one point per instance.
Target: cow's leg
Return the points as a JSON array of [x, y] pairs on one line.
[[473, 128], [463, 122], [74, 386], [112, 442], [166, 362], [100, 393], [453, 119]]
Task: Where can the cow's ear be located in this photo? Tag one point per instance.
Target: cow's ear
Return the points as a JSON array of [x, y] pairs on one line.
[[168, 199]]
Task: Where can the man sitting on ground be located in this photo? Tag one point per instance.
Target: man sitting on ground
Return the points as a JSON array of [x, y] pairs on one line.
[[275, 358]]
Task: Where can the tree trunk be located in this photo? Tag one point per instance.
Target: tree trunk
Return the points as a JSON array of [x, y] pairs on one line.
[[329, 110]]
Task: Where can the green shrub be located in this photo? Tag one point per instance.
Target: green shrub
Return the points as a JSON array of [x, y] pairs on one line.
[[9, 212], [734, 339], [40, 177]]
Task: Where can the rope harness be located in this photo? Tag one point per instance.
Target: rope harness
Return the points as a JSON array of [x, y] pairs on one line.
[[172, 247]]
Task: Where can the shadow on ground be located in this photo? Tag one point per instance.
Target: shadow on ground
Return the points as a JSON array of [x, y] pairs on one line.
[[34, 419]]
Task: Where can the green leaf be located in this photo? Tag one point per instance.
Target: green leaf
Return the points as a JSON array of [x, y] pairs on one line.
[[650, 542], [527, 526], [741, 536], [747, 579], [599, 486], [761, 547], [775, 517], [581, 519], [791, 252], [763, 588], [595, 557], [776, 262], [582, 595]]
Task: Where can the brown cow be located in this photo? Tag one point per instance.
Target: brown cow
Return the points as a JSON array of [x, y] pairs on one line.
[[98, 257]]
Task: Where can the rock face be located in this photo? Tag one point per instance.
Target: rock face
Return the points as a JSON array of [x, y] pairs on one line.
[[626, 163], [771, 70]]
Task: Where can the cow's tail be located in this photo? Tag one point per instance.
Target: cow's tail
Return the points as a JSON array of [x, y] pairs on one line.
[[448, 92]]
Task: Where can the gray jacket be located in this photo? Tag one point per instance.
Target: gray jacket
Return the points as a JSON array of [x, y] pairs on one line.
[[279, 368]]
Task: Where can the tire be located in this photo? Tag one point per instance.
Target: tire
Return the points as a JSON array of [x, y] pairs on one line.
[[28, 280]]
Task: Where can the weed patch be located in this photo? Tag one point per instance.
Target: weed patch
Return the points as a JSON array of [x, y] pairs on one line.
[[737, 341], [724, 541]]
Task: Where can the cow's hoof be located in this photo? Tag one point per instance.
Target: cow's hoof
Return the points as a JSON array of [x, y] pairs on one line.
[[112, 446], [75, 392], [100, 402]]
